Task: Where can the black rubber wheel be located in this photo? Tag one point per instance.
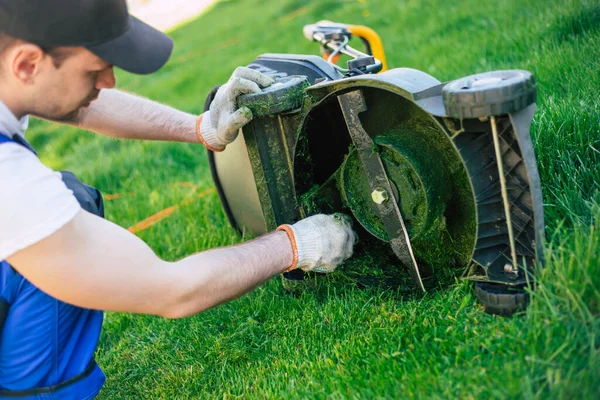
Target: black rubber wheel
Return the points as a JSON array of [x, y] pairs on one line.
[[284, 95], [500, 299], [489, 94]]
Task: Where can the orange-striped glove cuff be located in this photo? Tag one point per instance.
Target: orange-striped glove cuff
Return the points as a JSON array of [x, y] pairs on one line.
[[290, 232], [206, 132]]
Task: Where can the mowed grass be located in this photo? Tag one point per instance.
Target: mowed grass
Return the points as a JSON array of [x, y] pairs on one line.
[[340, 341]]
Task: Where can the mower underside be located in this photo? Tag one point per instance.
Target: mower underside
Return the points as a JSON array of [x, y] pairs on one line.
[[442, 177]]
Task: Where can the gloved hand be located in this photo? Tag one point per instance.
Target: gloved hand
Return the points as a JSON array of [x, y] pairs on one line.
[[219, 126], [321, 242]]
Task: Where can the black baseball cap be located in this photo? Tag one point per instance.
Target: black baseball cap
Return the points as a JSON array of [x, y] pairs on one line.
[[102, 26]]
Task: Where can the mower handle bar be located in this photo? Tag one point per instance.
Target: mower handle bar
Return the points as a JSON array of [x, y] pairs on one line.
[[335, 37]]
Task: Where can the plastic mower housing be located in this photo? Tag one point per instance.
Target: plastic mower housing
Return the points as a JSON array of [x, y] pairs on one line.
[[441, 175]]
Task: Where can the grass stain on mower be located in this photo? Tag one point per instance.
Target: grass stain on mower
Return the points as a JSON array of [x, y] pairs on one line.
[[440, 146]]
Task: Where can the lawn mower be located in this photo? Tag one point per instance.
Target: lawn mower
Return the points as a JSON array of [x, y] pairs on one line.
[[437, 176]]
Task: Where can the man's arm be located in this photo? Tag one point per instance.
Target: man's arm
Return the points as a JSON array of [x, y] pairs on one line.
[[93, 263], [124, 115]]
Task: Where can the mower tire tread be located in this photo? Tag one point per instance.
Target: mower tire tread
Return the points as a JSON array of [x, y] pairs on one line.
[[501, 300], [489, 94], [284, 95]]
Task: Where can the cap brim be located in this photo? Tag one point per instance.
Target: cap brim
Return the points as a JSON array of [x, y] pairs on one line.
[[140, 50]]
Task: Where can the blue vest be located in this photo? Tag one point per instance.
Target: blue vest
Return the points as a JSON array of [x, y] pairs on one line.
[[47, 346]]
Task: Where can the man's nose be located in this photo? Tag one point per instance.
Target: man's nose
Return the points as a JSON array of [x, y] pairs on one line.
[[106, 79]]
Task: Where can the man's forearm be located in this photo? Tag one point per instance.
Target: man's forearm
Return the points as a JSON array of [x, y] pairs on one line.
[[227, 273], [123, 115], [73, 265]]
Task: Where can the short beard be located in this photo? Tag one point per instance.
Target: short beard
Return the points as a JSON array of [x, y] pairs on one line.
[[75, 116], [72, 116]]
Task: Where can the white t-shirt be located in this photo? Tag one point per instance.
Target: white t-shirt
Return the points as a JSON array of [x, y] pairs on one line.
[[34, 201]]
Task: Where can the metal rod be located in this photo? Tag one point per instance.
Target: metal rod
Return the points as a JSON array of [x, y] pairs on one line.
[[511, 238], [338, 49], [343, 48]]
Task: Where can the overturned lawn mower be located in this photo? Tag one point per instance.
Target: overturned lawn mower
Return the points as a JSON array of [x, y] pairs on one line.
[[438, 176]]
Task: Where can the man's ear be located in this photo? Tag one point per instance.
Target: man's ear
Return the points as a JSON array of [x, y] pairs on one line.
[[26, 62]]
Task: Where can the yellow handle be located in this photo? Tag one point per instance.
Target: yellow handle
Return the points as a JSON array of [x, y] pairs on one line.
[[374, 41]]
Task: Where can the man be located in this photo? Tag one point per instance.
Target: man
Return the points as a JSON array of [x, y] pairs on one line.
[[63, 262]]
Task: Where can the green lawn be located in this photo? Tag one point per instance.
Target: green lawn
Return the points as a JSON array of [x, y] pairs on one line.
[[339, 341]]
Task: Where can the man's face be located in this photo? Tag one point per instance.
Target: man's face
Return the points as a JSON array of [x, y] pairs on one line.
[[64, 90]]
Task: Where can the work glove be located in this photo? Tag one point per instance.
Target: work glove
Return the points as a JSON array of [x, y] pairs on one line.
[[321, 242], [220, 125]]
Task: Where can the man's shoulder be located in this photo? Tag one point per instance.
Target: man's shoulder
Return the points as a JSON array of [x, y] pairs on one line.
[[16, 159], [34, 201]]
